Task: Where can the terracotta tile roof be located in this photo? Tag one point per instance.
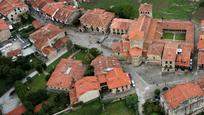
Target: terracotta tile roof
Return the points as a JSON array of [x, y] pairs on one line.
[[39, 107], [119, 23], [66, 73], [122, 48], [170, 50], [72, 96], [135, 52], [48, 50], [182, 92], [86, 84], [200, 82], [39, 3], [102, 64], [41, 36], [183, 59], [37, 24], [97, 18], [7, 6], [15, 52], [61, 42], [145, 7], [102, 78], [200, 57], [201, 41], [51, 8], [156, 48], [117, 78], [3, 25], [18, 111]]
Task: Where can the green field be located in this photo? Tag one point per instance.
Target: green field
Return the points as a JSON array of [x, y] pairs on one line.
[[167, 9], [180, 36], [170, 36]]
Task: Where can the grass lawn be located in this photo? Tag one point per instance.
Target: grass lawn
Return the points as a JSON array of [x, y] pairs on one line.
[[180, 36], [38, 82], [117, 108], [172, 9], [108, 4], [84, 56], [168, 36]]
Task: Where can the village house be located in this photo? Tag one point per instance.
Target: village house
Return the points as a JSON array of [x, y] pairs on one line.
[[154, 53], [200, 47], [121, 50], [169, 57], [183, 99], [85, 89], [145, 9], [4, 31], [37, 24], [66, 73], [13, 9], [97, 20], [61, 12], [37, 5], [183, 58], [120, 26], [48, 40], [103, 64]]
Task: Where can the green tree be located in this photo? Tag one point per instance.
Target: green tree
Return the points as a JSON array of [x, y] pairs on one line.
[[151, 108], [123, 10], [21, 90], [157, 92], [39, 68], [28, 105]]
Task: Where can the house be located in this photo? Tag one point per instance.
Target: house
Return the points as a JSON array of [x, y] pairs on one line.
[[120, 26], [200, 47], [97, 20], [136, 56], [46, 39], [4, 31], [145, 9], [37, 5], [66, 73], [183, 99], [154, 53], [37, 24], [169, 57], [121, 50], [183, 58], [87, 89], [13, 9], [118, 81], [103, 64], [61, 12]]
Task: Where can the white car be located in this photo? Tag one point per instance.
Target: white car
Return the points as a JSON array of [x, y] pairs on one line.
[[133, 83]]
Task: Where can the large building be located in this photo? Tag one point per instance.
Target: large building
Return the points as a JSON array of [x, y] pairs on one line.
[[13, 9], [183, 99], [97, 20], [145, 34], [66, 73], [4, 31], [48, 40]]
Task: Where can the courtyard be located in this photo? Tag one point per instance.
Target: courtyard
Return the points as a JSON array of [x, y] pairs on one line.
[[174, 36]]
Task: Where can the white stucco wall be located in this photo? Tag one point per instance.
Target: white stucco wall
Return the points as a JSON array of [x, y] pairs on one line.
[[90, 95]]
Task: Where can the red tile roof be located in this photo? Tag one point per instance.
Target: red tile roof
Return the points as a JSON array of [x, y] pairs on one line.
[[61, 42], [170, 50], [37, 24], [48, 50], [117, 78], [182, 92], [183, 59], [51, 8], [66, 73], [15, 52], [41, 36], [18, 111], [122, 48], [119, 23], [201, 41], [134, 52], [102, 78], [97, 18], [7, 6], [145, 7], [40, 3], [3, 25], [200, 57], [86, 84], [156, 48], [102, 64]]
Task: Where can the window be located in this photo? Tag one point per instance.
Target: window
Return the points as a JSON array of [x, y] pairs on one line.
[[170, 62], [11, 15], [18, 8], [12, 19]]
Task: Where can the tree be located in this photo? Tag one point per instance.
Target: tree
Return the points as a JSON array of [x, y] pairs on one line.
[[150, 108], [89, 71], [28, 105], [44, 66], [94, 52], [39, 68], [157, 92], [132, 102], [123, 11], [21, 90]]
